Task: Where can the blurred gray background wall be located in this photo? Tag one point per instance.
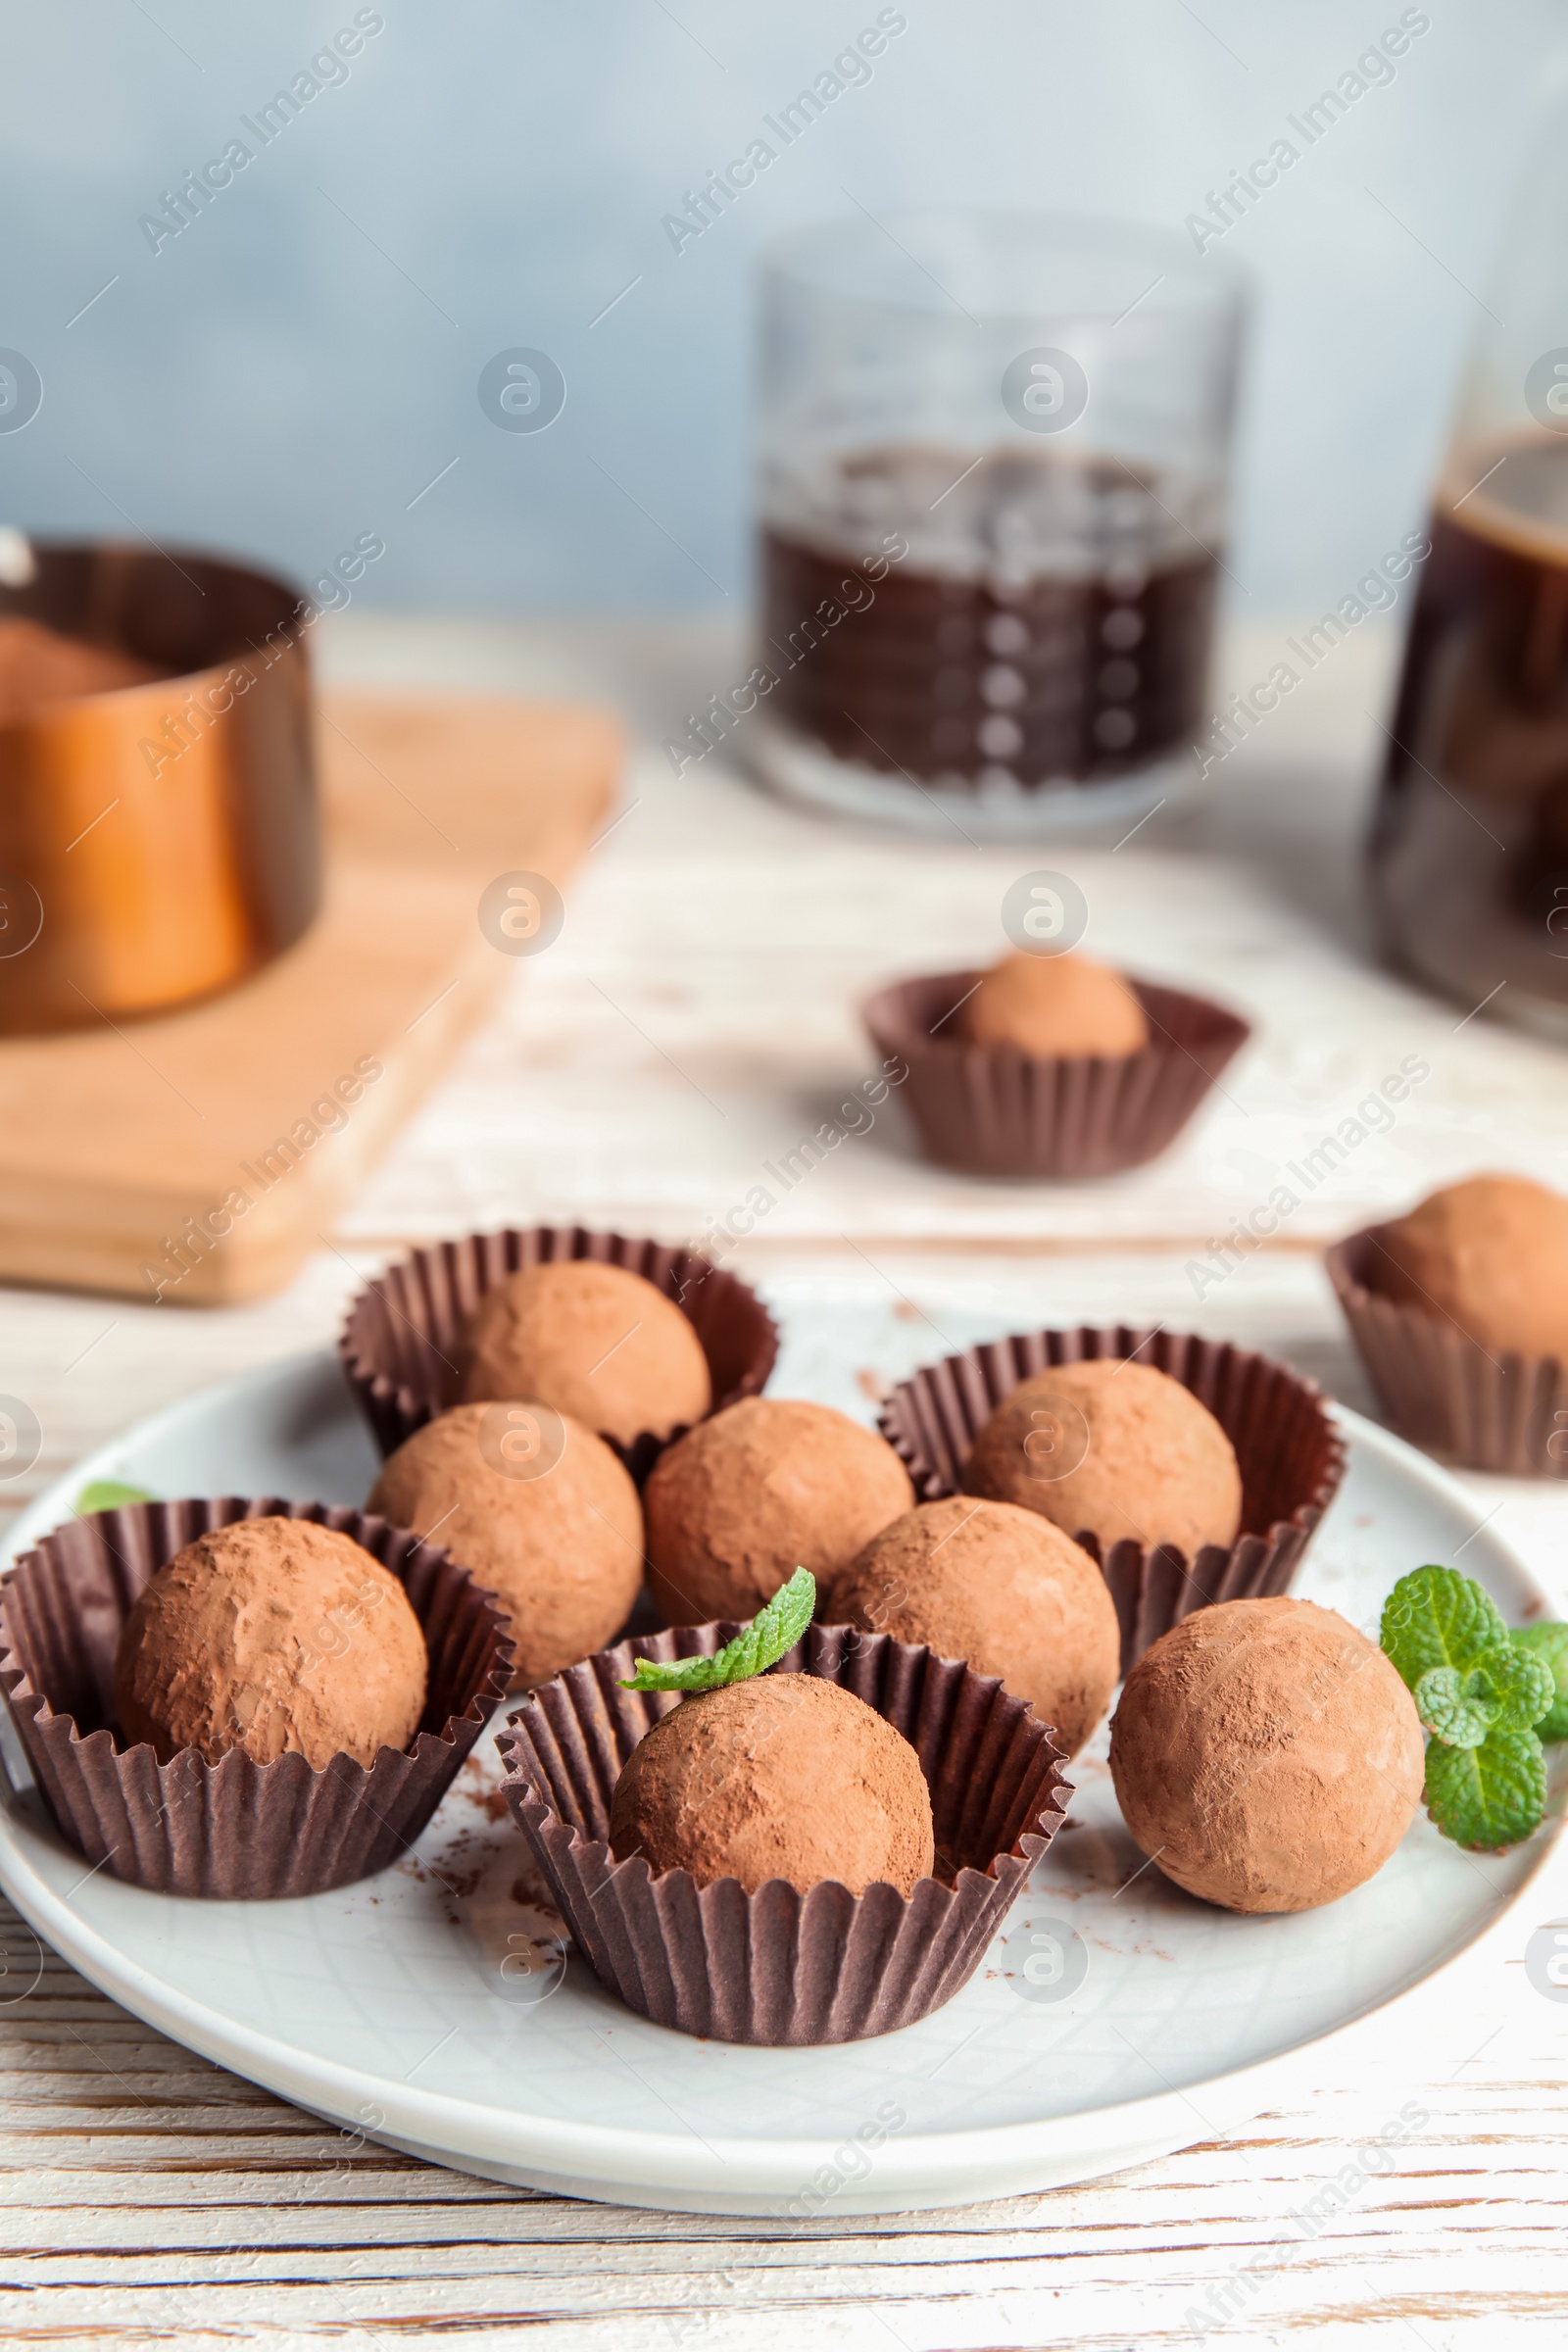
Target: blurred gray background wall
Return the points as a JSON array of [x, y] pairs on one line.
[[297, 364]]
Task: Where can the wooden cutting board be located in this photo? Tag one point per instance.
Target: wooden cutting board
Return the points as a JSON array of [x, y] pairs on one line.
[[200, 1155]]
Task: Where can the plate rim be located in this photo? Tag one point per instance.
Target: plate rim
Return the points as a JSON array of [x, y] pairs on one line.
[[609, 2160]]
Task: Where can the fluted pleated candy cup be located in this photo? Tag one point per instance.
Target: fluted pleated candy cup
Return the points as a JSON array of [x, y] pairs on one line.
[[996, 1110], [235, 1829], [1440, 1389], [403, 1339], [779, 1967], [1290, 1452]]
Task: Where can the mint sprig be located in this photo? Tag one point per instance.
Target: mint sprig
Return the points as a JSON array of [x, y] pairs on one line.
[[1549, 1643], [108, 1494], [775, 1628], [1481, 1693]]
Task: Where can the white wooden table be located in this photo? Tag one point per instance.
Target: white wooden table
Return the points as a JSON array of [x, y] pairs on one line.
[[695, 1019]]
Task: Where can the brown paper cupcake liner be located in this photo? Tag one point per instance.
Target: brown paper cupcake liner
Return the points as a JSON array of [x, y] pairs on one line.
[[1290, 1457], [778, 1967], [1439, 1388], [401, 1339], [236, 1829], [994, 1110]]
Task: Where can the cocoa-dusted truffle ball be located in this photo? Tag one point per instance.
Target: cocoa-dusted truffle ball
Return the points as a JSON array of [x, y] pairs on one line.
[[592, 1340], [782, 1776], [542, 1512], [274, 1635], [1000, 1587], [766, 1487], [1050, 1005], [1112, 1450], [1266, 1756], [1490, 1254]]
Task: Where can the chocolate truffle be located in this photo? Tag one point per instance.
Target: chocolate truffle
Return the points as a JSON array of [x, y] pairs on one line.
[[1266, 1756], [1000, 1588], [1490, 1254], [766, 1487], [1057, 1004], [274, 1635], [782, 1776], [594, 1341], [1112, 1450], [542, 1512]]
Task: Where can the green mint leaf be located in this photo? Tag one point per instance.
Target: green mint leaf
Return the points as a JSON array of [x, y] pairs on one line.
[[108, 1494], [1549, 1643], [1452, 1709], [1488, 1796], [1437, 1617], [1505, 1689], [775, 1628], [1523, 1688]]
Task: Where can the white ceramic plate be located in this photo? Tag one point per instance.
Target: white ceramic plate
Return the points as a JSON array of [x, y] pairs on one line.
[[1114, 2018]]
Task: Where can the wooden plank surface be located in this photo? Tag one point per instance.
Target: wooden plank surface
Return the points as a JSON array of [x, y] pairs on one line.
[[146, 2196], [696, 1016]]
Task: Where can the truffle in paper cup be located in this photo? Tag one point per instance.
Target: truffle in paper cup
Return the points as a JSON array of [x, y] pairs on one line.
[[1440, 1389], [235, 1829], [402, 1342], [1291, 1455], [994, 1110], [779, 1967]]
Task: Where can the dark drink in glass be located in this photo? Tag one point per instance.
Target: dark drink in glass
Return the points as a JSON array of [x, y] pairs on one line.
[[1470, 844], [1048, 623], [1469, 851], [993, 471]]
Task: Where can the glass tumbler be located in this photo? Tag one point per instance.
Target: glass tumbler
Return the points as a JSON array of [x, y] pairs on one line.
[[994, 453]]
